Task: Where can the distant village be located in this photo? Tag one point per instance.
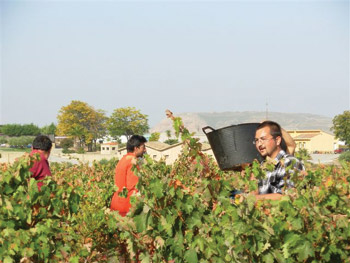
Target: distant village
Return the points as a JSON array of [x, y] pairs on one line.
[[314, 141], [166, 146]]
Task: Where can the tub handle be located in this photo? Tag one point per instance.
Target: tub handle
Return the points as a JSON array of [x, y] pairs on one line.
[[207, 127]]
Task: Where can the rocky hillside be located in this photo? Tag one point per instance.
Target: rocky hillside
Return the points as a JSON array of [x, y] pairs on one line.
[[289, 121]]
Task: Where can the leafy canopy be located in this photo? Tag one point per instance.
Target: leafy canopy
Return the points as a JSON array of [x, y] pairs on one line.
[[49, 129], [67, 143], [341, 127], [127, 121], [21, 141], [80, 120], [20, 130], [3, 140], [154, 137], [171, 141], [181, 213]]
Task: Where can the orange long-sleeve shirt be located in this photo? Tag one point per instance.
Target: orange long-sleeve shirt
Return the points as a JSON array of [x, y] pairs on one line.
[[124, 177]]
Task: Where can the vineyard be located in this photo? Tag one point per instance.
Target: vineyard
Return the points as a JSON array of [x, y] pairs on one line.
[[182, 213]]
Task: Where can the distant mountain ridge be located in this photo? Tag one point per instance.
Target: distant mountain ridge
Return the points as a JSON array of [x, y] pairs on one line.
[[289, 121]]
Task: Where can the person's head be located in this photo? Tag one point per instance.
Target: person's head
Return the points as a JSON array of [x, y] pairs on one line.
[[42, 143], [136, 144], [268, 138]]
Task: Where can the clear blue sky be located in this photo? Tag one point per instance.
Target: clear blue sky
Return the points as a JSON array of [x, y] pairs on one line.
[[186, 56]]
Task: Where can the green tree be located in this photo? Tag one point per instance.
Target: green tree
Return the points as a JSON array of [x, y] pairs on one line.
[[345, 156], [67, 143], [3, 140], [341, 127], [168, 134], [303, 155], [78, 132], [49, 129], [169, 140], [99, 127], [127, 121], [11, 129], [154, 137], [20, 130], [82, 122], [30, 130], [21, 141]]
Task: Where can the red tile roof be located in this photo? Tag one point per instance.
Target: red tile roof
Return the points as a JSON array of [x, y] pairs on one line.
[[110, 143]]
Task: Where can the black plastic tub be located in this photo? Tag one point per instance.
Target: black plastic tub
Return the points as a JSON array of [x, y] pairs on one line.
[[233, 145]]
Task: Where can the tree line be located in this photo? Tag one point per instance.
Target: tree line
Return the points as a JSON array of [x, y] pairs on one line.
[[22, 135], [86, 125], [16, 130], [83, 123]]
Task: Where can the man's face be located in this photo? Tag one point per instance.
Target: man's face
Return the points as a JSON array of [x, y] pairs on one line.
[[140, 151], [266, 144]]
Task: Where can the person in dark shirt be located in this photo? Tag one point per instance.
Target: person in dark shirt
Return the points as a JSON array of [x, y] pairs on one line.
[[41, 145]]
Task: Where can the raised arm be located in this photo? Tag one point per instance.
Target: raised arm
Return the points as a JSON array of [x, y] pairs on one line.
[[289, 142]]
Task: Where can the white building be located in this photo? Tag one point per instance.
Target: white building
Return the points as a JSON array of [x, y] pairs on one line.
[[109, 148], [169, 153]]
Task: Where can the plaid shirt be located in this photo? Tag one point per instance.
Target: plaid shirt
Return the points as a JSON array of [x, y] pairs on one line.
[[275, 180]]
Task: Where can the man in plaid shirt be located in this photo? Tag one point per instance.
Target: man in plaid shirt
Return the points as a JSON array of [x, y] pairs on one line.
[[268, 138]]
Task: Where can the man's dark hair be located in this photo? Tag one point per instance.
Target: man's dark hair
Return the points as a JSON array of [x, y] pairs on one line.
[[42, 142], [275, 128], [135, 141]]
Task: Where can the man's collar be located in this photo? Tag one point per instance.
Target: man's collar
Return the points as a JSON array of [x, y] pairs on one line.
[[43, 154], [280, 155]]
